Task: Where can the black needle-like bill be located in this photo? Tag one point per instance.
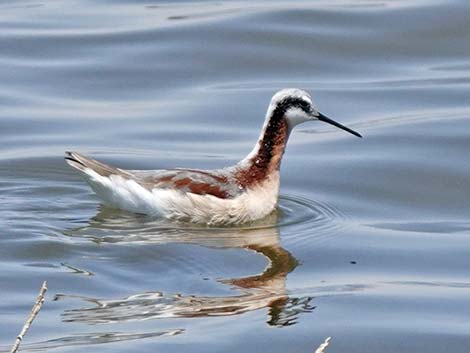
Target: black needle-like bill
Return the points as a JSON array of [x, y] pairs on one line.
[[324, 118]]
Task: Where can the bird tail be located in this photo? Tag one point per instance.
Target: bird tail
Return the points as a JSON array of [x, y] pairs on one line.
[[85, 165]]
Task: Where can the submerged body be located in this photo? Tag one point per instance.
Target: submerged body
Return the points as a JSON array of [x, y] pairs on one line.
[[241, 193]]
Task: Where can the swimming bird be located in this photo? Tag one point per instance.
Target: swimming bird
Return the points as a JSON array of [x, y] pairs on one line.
[[244, 192]]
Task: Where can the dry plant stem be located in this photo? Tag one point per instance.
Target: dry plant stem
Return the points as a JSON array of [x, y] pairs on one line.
[[37, 306], [322, 346]]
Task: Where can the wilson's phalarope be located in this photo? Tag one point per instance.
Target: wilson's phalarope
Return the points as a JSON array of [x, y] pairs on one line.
[[241, 193]]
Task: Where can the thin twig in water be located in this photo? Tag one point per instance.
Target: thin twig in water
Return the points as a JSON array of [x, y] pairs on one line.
[[322, 346], [37, 306]]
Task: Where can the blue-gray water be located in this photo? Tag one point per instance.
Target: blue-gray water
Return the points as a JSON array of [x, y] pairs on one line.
[[371, 244]]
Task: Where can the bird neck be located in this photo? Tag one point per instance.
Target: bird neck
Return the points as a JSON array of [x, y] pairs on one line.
[[265, 158]]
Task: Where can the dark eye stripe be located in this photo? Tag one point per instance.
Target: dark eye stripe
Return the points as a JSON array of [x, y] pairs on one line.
[[293, 102]]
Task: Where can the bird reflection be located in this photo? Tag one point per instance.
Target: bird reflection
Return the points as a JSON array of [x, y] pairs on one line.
[[265, 290]]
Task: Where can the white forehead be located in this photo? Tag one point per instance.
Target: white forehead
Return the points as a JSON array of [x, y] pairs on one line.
[[291, 92]]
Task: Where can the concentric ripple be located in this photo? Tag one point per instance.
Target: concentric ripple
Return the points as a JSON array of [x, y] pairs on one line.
[[309, 216]]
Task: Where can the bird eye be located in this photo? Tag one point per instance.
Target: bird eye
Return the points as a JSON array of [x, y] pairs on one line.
[[306, 107]]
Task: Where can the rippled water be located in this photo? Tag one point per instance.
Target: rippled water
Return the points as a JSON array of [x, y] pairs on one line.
[[371, 242]]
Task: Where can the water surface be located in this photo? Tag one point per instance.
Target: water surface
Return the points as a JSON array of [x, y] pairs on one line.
[[371, 241]]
